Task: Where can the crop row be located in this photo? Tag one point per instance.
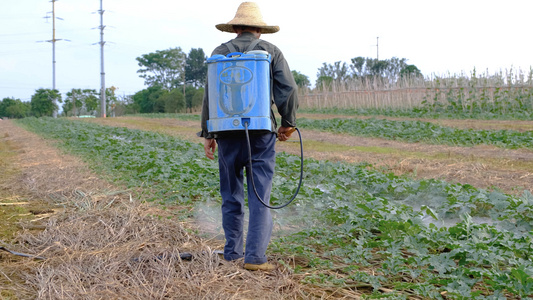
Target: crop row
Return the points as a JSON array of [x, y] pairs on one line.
[[358, 227], [408, 131], [422, 113], [417, 131]]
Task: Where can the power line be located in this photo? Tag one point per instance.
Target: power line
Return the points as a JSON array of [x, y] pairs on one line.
[[21, 33]]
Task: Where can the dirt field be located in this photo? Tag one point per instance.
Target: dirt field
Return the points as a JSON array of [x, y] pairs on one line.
[[99, 241]]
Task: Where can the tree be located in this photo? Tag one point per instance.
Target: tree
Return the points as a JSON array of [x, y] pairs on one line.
[[358, 67], [395, 66], [174, 102], [4, 104], [14, 108], [163, 67], [198, 98], [411, 71], [92, 101], [301, 79], [193, 97], [371, 67], [19, 110], [338, 71], [148, 100], [324, 82], [111, 100], [42, 102], [85, 101], [72, 104], [378, 67], [125, 105], [195, 68]]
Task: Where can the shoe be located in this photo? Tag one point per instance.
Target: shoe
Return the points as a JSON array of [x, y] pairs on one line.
[[263, 267]]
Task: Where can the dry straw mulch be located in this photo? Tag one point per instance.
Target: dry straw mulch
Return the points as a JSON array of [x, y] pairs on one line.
[[120, 252], [102, 243]]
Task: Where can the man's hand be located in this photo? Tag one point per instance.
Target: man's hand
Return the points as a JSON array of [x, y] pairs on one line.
[[284, 133], [210, 145]]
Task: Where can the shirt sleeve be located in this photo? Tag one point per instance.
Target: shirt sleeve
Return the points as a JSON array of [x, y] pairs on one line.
[[205, 114], [284, 90]]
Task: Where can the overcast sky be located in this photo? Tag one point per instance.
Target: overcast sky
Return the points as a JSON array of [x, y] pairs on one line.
[[437, 36]]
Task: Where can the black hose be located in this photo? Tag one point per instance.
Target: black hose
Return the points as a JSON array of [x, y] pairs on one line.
[[22, 254], [252, 176]]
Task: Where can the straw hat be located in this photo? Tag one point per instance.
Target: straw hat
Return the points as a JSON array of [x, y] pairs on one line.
[[248, 14]]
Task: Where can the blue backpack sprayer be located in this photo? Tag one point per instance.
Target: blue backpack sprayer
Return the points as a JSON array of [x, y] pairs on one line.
[[239, 99]]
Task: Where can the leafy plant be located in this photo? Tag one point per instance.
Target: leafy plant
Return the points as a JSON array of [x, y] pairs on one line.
[[355, 227], [417, 131]]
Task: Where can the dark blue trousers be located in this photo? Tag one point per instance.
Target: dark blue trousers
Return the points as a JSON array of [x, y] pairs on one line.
[[233, 159]]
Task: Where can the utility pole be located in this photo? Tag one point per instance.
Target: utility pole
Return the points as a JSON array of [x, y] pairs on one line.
[[377, 48], [53, 41], [102, 73]]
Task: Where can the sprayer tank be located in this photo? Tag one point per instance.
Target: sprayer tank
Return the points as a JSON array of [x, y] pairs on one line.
[[239, 91]]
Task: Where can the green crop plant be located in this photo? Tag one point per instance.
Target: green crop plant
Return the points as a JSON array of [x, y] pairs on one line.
[[351, 226], [417, 131]]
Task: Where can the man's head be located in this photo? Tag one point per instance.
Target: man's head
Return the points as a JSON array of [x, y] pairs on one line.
[[248, 16]]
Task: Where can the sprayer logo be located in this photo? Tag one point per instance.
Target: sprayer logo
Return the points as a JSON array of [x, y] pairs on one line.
[[236, 75]]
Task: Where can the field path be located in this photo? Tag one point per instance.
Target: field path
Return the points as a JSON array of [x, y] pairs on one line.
[[480, 166]]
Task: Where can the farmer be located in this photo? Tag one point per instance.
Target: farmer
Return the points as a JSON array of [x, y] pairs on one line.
[[233, 157]]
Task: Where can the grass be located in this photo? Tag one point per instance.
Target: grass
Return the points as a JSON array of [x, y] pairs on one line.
[[9, 214], [13, 211], [7, 152], [18, 207]]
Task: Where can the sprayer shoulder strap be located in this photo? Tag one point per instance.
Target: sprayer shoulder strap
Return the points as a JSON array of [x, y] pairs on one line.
[[250, 47], [230, 47]]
